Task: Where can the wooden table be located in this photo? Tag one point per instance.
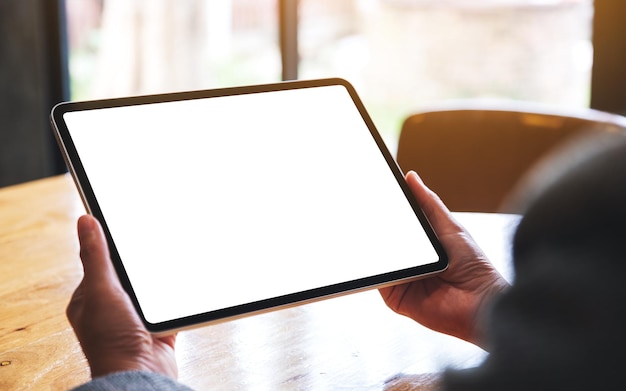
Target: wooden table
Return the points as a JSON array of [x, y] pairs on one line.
[[352, 342]]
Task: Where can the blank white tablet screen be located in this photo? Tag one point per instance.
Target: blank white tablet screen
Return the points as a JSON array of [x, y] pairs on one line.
[[221, 201]]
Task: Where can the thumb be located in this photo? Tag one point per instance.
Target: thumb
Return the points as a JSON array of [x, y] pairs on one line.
[[435, 210], [94, 252]]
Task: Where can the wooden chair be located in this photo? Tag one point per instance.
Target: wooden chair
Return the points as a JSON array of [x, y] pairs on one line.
[[473, 155]]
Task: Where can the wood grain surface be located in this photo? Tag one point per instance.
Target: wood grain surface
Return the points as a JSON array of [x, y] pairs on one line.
[[351, 342]]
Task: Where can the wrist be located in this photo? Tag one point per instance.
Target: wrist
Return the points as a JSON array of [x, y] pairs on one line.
[[111, 365], [103, 366], [478, 334]]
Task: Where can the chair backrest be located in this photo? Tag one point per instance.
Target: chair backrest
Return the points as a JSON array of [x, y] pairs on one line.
[[473, 156]]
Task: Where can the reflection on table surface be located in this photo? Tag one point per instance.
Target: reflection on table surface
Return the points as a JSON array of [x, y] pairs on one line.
[[350, 342]]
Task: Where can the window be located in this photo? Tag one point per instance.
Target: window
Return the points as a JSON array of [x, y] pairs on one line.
[[400, 54], [124, 47]]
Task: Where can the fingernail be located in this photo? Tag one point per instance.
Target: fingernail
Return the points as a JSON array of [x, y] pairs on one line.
[[85, 227]]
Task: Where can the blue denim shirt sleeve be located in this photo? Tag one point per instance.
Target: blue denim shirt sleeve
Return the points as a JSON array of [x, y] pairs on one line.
[[133, 381]]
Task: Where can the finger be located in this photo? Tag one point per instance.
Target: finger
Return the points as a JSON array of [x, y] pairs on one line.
[[434, 208], [94, 253], [169, 340]]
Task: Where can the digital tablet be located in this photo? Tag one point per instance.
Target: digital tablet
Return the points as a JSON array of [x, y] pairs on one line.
[[222, 203]]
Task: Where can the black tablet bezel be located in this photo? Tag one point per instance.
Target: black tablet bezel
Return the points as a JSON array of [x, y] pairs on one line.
[[75, 167]]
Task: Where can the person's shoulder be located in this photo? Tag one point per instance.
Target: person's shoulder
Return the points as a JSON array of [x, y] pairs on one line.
[[133, 380], [559, 325], [577, 193]]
